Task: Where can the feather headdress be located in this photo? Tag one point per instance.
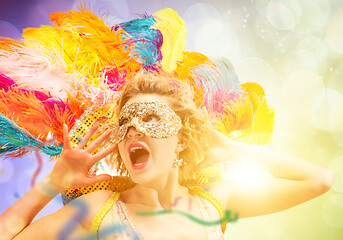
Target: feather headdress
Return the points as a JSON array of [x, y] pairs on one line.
[[72, 72]]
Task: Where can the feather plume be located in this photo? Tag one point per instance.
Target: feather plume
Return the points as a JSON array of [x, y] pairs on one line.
[[36, 112], [15, 141], [247, 117], [263, 114], [98, 47], [221, 85], [174, 32], [30, 69], [190, 72], [6, 82], [148, 41]]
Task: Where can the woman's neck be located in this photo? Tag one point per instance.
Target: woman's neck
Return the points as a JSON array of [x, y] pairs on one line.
[[159, 193]]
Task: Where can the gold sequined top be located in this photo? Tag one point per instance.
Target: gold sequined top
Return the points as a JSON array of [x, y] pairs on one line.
[[123, 227]]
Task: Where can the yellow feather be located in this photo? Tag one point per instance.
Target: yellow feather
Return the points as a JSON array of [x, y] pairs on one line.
[[249, 119], [186, 72], [52, 42], [174, 32], [86, 44]]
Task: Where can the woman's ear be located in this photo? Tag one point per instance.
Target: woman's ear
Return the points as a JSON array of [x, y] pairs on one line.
[[182, 144]]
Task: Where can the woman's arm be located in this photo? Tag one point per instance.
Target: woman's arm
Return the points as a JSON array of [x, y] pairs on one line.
[[73, 221], [294, 180], [70, 171], [20, 214]]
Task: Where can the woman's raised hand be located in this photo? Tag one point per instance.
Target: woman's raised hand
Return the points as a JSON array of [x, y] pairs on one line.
[[72, 168], [220, 149]]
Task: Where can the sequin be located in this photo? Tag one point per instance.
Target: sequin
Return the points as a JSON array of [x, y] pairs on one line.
[[153, 118]]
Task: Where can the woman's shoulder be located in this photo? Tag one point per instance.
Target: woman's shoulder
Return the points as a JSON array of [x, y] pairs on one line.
[[95, 200], [221, 191], [90, 204]]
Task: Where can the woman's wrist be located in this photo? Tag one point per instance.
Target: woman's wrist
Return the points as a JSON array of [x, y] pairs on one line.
[[51, 186]]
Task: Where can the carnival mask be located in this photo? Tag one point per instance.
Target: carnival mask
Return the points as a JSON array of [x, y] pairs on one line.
[[153, 118]]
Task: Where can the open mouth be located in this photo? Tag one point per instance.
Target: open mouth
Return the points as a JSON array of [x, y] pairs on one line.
[[139, 157]]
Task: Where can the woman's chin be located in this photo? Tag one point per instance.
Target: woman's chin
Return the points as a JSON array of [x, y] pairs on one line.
[[146, 177], [141, 178]]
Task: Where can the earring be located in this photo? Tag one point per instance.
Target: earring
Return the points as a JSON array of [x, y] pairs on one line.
[[178, 162]]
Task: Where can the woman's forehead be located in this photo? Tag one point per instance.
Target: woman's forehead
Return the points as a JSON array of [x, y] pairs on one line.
[[147, 97]]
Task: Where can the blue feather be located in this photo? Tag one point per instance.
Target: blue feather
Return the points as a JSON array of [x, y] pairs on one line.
[[14, 138], [148, 41], [222, 78]]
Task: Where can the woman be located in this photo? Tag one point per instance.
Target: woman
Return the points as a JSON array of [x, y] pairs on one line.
[[158, 126]]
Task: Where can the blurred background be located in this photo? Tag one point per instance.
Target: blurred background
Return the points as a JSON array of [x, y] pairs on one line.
[[293, 48]]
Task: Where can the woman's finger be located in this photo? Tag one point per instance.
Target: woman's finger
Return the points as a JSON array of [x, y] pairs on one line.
[[97, 157], [66, 142], [98, 141], [89, 134]]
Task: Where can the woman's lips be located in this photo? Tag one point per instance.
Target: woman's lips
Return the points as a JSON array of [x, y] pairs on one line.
[[141, 165]]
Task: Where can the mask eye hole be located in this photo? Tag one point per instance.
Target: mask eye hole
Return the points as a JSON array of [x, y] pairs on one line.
[[151, 118], [123, 121]]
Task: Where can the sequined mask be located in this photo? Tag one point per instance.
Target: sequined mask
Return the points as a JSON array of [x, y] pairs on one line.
[[153, 118]]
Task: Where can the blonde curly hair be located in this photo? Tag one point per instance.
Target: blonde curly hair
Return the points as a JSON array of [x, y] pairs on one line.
[[195, 123]]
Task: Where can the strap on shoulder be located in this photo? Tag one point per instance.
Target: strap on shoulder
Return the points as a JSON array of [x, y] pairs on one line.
[[102, 213]]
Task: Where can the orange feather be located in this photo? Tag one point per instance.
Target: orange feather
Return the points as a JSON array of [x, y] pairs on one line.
[[31, 114]]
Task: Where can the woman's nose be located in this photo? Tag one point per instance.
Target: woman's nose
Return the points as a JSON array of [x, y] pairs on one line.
[[132, 132]]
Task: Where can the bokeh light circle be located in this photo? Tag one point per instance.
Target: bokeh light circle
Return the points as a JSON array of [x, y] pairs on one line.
[[266, 31], [334, 32], [310, 53], [119, 9], [257, 70], [11, 194], [195, 17], [201, 11], [336, 165], [338, 137], [6, 171], [283, 14], [325, 110], [336, 78], [299, 86], [214, 38], [275, 230], [9, 30], [292, 131], [314, 17], [23, 182], [333, 211], [300, 59]]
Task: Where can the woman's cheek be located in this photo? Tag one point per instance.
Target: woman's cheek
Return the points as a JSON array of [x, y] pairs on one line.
[[122, 152]]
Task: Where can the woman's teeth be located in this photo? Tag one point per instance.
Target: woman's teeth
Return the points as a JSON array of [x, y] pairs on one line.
[[139, 156], [134, 149]]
